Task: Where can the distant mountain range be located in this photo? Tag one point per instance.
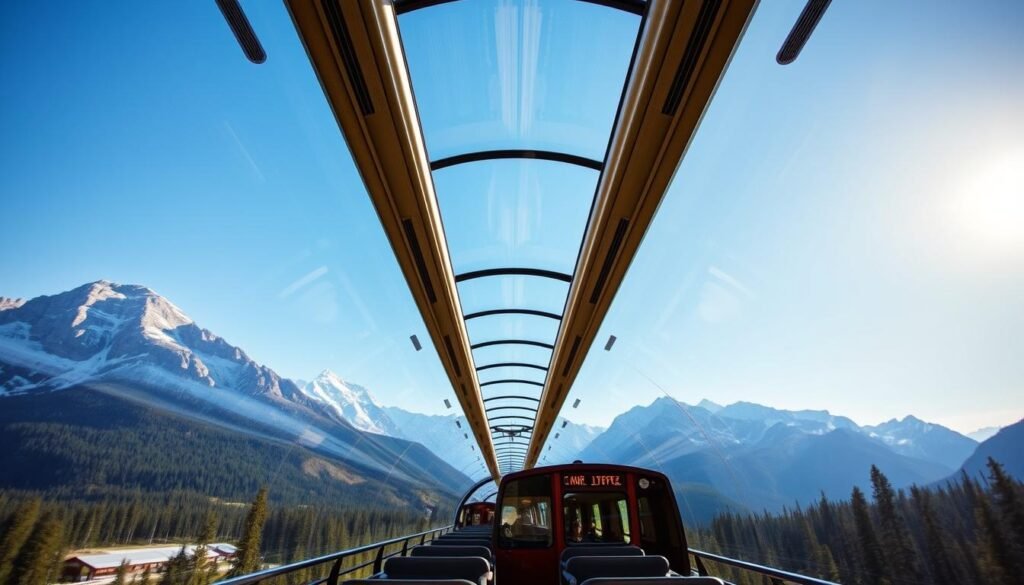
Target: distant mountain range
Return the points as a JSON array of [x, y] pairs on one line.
[[1006, 446], [108, 364], [750, 456], [134, 346]]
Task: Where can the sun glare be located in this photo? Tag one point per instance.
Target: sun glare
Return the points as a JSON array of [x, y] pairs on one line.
[[990, 205]]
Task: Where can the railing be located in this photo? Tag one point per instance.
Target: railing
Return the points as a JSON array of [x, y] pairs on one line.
[[776, 576], [338, 559]]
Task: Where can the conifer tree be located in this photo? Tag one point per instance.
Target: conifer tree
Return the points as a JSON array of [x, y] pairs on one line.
[[39, 560], [122, 573], [895, 541], [872, 563], [995, 556], [1005, 491], [248, 554], [16, 533], [201, 565], [940, 566], [176, 571]]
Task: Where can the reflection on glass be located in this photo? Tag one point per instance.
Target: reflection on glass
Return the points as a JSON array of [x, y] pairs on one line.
[[518, 74], [514, 213]]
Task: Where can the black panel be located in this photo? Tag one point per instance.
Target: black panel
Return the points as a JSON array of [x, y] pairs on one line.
[[453, 357], [609, 259], [417, 256], [698, 36], [348, 54], [572, 354], [242, 30], [805, 25]]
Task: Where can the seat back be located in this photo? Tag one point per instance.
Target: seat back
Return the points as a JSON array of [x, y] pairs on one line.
[[654, 581], [408, 582], [462, 542], [580, 569], [450, 551], [601, 551], [472, 569]]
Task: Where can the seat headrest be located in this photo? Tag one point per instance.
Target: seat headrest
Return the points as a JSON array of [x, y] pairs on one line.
[[472, 569], [583, 568]]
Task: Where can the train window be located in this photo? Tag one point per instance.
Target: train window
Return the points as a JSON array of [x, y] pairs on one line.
[[526, 513], [596, 517], [655, 529]]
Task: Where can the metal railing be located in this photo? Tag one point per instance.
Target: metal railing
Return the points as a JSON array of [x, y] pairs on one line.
[[381, 553], [337, 560], [776, 576]]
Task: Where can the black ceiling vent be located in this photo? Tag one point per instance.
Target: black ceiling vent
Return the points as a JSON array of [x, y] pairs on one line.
[[455, 360], [417, 256], [348, 54], [609, 258], [572, 354], [809, 18], [242, 30], [699, 36]]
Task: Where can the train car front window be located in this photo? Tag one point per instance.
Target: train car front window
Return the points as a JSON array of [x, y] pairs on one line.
[[596, 517], [526, 513]]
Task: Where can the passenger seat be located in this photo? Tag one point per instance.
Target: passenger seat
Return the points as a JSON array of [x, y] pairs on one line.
[[654, 581], [580, 569], [452, 551], [473, 569]]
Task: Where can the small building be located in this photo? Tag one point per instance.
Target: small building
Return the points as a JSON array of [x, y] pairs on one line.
[[87, 567]]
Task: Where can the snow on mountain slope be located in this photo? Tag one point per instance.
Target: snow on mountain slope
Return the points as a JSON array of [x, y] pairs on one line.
[[129, 341], [351, 402], [440, 433], [100, 329], [984, 434], [914, 437]]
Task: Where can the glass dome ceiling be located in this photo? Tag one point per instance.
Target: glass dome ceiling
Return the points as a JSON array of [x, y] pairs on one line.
[[517, 100]]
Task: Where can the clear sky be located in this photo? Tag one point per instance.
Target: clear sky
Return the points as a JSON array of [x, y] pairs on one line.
[[846, 232]]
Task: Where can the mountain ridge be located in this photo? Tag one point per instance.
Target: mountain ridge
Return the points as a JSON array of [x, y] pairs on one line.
[[132, 340]]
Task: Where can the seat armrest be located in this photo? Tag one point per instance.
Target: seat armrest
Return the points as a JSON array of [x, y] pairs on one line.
[[570, 579]]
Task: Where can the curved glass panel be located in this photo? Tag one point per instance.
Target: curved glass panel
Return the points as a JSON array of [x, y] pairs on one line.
[[514, 213], [495, 354], [511, 372], [512, 292], [512, 327], [496, 74]]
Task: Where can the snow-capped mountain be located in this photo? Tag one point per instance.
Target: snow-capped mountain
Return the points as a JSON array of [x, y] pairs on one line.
[[568, 440], [760, 456], [447, 435], [128, 341], [984, 433], [351, 402], [916, 438], [110, 331]]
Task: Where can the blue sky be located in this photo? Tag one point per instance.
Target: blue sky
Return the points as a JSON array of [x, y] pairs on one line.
[[843, 234]]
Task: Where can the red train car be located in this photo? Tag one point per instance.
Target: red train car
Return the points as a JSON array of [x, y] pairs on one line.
[[541, 512]]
